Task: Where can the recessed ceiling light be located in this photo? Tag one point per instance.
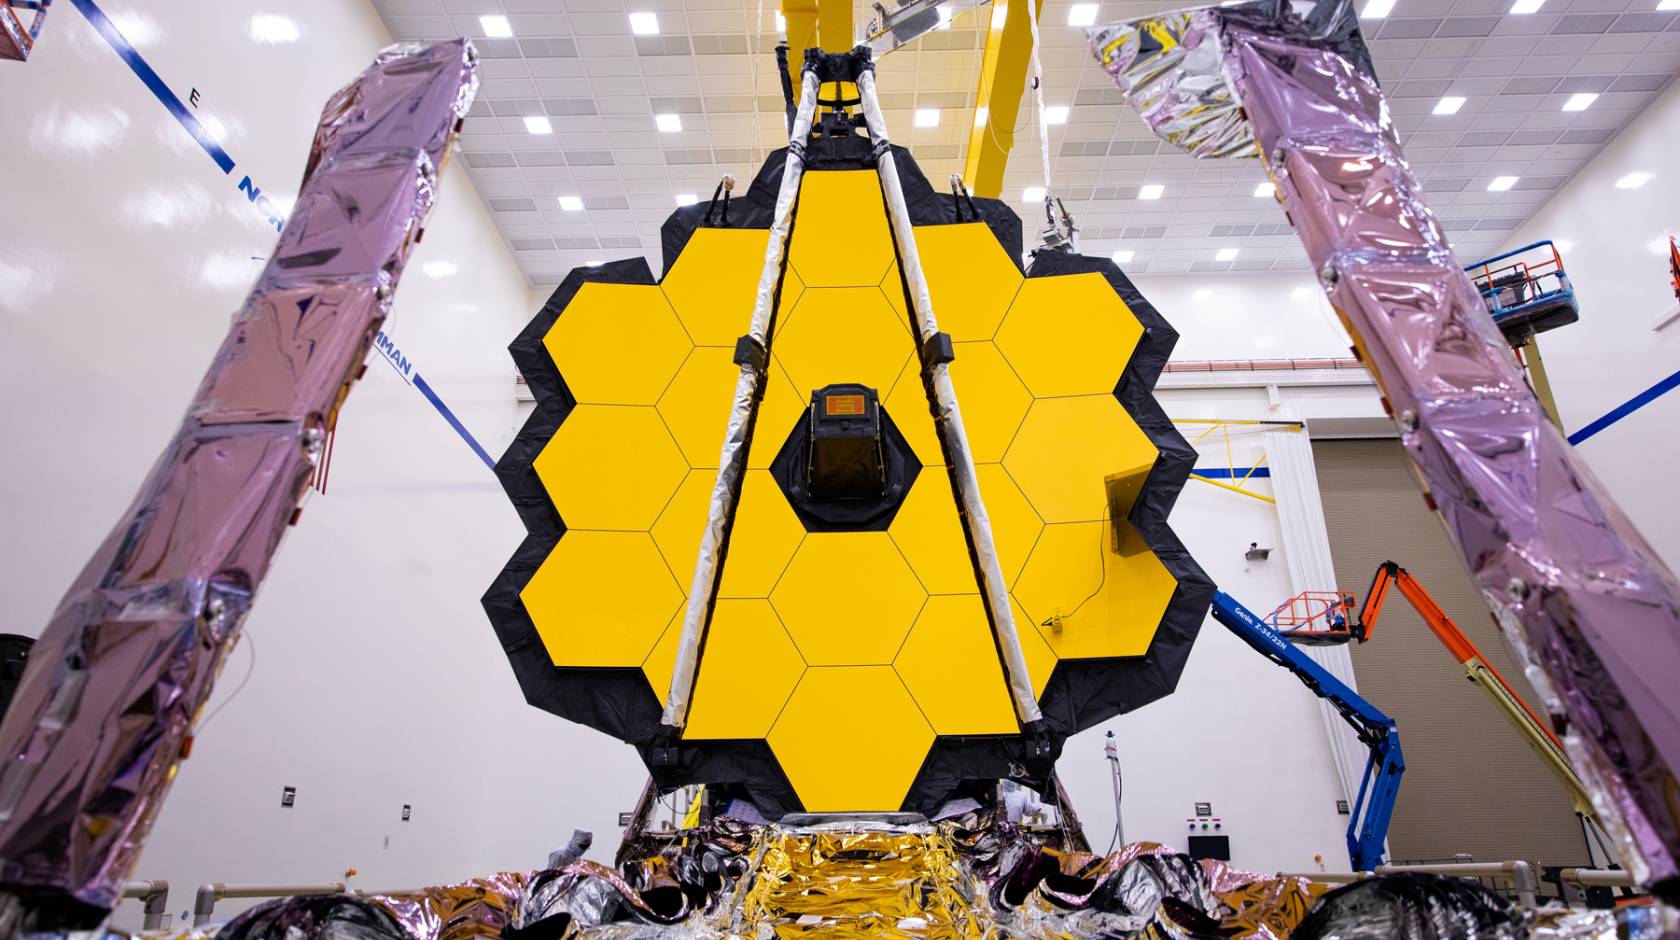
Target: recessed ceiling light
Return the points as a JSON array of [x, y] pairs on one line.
[[644, 24], [1082, 14], [927, 117], [1151, 191], [1449, 105], [1580, 101], [270, 28], [687, 199], [1669, 5], [538, 124], [781, 22], [1000, 12], [1502, 183], [1376, 9], [571, 204], [669, 123], [1633, 180], [1056, 114], [1265, 189], [980, 116], [496, 27], [1032, 194], [1124, 255], [439, 269], [944, 17], [1226, 254], [1527, 6]]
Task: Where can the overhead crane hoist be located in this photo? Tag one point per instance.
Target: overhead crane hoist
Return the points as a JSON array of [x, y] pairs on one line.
[[1326, 619]]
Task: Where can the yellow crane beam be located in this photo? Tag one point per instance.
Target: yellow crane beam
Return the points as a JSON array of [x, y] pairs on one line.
[[825, 24], [997, 100]]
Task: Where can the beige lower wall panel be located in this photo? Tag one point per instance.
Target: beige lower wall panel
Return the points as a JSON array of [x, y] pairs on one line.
[[1471, 785]]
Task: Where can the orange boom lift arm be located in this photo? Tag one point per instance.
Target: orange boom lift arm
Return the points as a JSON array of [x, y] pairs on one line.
[[1478, 670]]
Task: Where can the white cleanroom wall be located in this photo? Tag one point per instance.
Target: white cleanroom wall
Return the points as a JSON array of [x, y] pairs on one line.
[[1613, 237], [377, 681]]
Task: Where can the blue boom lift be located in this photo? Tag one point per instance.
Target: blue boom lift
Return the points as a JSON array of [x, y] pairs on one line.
[[1368, 827]]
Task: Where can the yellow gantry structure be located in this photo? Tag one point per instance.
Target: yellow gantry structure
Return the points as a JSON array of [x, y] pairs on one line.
[[997, 97], [850, 654]]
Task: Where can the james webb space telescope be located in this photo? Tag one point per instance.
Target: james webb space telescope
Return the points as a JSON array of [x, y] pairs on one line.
[[933, 543]]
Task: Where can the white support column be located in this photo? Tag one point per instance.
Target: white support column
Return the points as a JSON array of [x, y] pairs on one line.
[[1306, 545]]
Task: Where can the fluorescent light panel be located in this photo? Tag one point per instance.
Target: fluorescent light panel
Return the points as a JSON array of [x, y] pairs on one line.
[[1151, 191], [1502, 183], [1449, 105], [1527, 6], [1265, 189], [571, 204], [1226, 254], [1056, 114], [1082, 14], [644, 24], [687, 199], [668, 123], [1580, 101], [538, 124], [496, 27], [1124, 256], [1032, 194], [1377, 9], [927, 117]]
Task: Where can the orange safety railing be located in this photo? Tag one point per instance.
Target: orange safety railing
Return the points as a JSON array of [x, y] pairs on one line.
[[1313, 615]]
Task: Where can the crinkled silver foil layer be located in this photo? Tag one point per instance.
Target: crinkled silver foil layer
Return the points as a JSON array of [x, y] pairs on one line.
[[1593, 612], [97, 727], [1172, 70], [971, 877]]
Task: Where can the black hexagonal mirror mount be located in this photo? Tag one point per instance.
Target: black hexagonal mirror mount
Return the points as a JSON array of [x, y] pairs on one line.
[[845, 467]]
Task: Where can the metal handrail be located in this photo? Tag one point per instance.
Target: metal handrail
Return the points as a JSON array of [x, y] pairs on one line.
[[204, 905], [1520, 874], [1598, 877], [154, 896]]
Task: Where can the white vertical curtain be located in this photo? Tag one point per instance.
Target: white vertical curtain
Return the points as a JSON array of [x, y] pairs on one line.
[[1306, 546]]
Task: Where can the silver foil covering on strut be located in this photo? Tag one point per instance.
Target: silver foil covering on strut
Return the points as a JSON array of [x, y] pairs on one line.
[[113, 686], [975, 519], [1589, 608], [748, 392]]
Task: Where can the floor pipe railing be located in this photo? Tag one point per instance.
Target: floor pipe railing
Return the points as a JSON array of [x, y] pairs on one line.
[[209, 893], [154, 898]]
